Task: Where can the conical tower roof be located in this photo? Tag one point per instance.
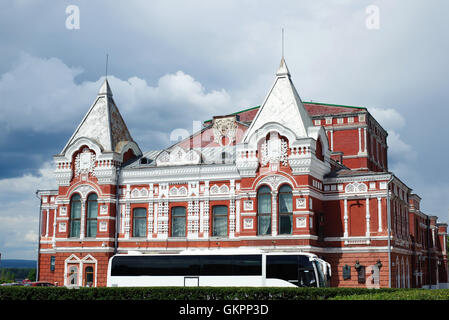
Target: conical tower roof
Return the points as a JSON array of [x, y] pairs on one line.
[[282, 105], [103, 123]]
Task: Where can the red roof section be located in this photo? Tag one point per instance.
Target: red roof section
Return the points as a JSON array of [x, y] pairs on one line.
[[313, 108], [319, 109]]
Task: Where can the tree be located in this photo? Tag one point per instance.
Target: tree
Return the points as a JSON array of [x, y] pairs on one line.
[[32, 275]]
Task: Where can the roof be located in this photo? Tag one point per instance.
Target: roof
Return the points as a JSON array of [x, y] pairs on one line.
[[282, 105], [342, 173], [103, 123], [313, 108]]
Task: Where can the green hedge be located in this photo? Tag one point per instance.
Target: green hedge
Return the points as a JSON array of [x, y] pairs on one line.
[[214, 293], [402, 294], [186, 293]]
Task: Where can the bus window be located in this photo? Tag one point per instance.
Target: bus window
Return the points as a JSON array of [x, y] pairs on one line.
[[319, 269], [306, 278], [238, 265], [295, 269], [188, 265], [155, 266], [283, 267]]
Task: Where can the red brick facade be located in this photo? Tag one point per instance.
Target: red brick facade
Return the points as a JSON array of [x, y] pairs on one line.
[[324, 166]]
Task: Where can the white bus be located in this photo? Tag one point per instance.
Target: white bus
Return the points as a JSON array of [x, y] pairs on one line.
[[219, 268]]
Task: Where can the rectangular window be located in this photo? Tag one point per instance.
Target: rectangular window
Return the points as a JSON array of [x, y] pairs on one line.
[[52, 263], [75, 217], [92, 212], [264, 211], [92, 228], [285, 210], [346, 272], [139, 222], [220, 221], [178, 221]]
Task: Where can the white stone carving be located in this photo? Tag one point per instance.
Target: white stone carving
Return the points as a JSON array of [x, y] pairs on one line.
[[162, 223], [103, 226], [173, 192], [232, 218], [103, 209], [135, 193], [300, 203], [178, 156], [84, 162], [84, 190], [182, 191], [301, 222], [274, 181], [139, 193], [224, 127], [193, 189], [62, 227], [274, 150], [248, 223], [214, 190], [248, 205], [63, 211], [356, 187]]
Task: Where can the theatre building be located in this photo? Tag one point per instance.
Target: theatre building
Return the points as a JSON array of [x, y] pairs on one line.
[[284, 176]]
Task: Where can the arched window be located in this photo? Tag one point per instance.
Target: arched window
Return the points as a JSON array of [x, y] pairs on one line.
[[178, 222], [89, 276], [73, 276], [220, 221], [264, 211], [139, 222], [75, 216], [92, 211], [285, 210], [319, 150]]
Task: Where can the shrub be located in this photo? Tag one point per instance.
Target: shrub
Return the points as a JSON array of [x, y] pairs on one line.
[[190, 293], [402, 294]]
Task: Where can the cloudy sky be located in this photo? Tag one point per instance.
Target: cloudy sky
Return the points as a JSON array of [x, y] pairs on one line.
[[175, 62]]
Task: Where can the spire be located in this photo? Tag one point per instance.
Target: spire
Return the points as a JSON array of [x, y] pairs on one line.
[[282, 70], [103, 123]]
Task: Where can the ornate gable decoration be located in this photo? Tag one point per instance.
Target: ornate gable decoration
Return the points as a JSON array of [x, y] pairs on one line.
[[175, 192], [274, 181], [136, 193], [84, 189], [224, 189], [356, 187], [224, 127], [84, 162], [274, 150], [178, 156]]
